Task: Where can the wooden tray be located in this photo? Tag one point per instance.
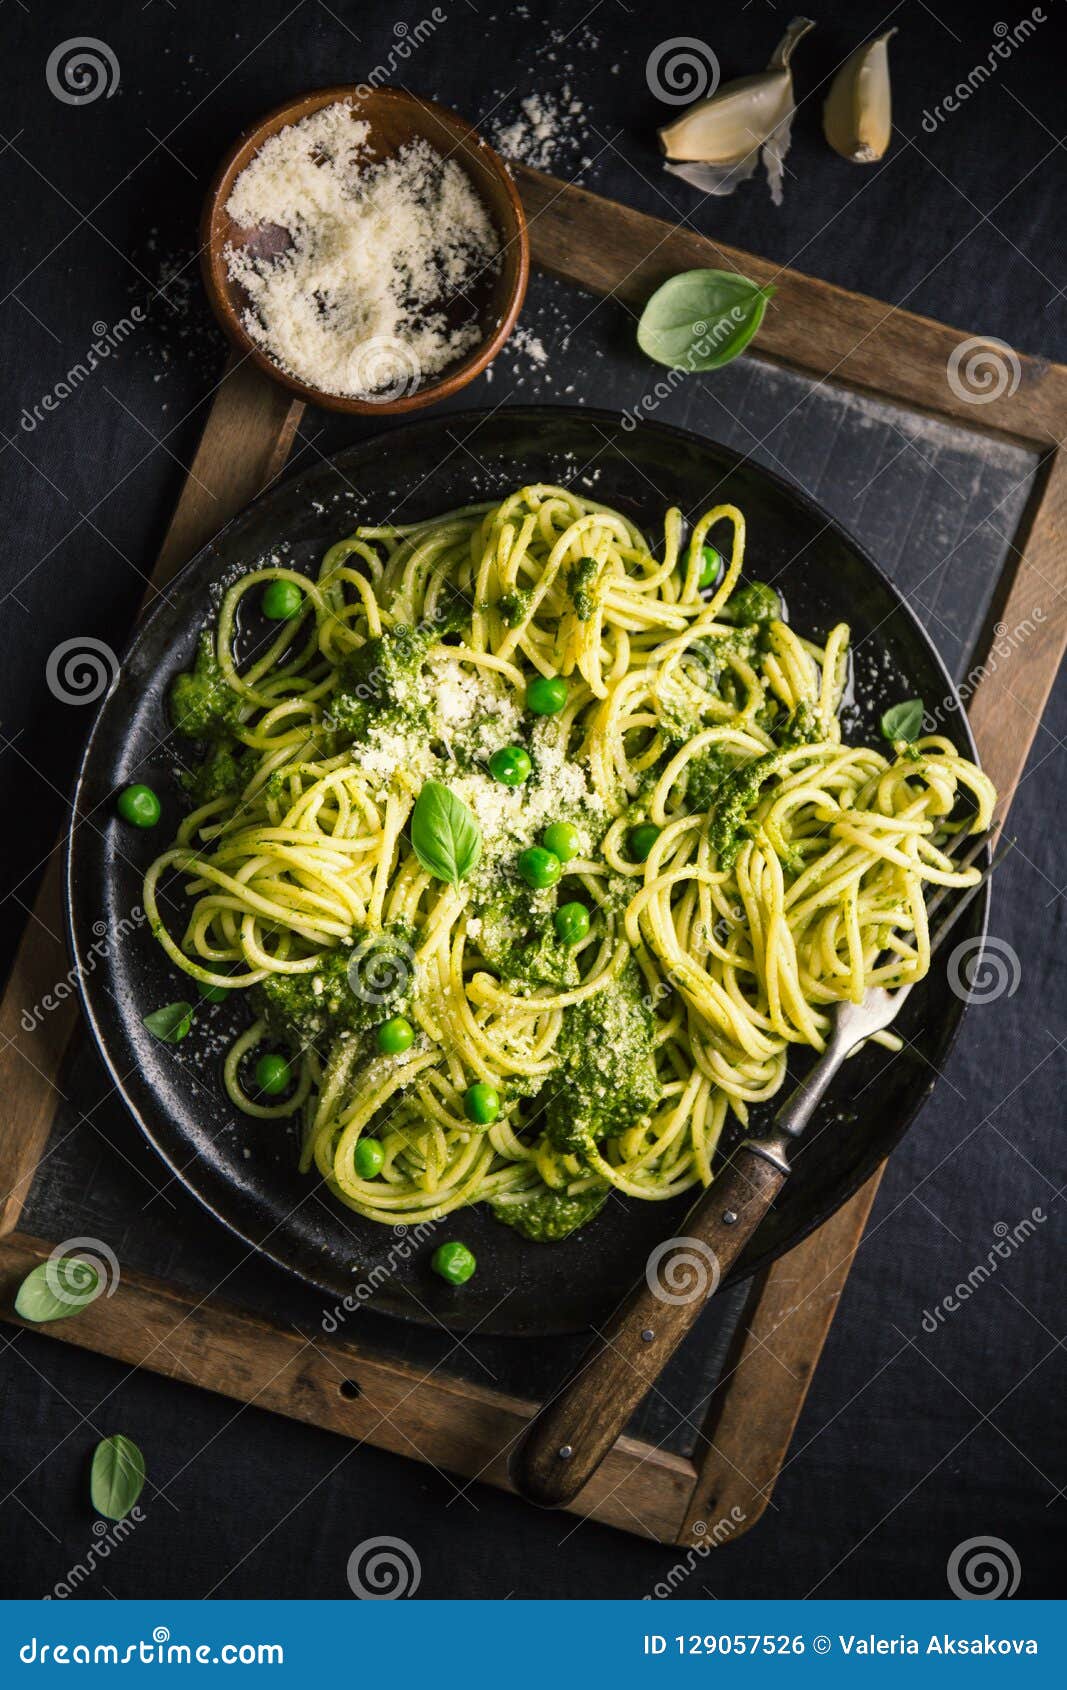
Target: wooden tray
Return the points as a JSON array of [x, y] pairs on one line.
[[352, 1388]]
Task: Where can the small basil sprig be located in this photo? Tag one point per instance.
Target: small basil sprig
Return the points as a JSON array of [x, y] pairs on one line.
[[444, 835], [701, 319], [170, 1023], [903, 721], [117, 1477], [61, 1286]]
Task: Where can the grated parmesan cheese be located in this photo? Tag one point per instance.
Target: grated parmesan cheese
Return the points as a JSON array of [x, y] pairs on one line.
[[372, 294], [543, 125]]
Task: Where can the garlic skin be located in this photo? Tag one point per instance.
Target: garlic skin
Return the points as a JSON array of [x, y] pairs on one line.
[[717, 142], [857, 117]]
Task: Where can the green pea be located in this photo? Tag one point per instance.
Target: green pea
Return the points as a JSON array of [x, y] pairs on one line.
[[215, 994], [139, 806], [510, 765], [710, 567], [540, 868], [571, 922], [563, 840], [546, 695], [370, 1155], [395, 1036], [642, 840], [273, 1075], [481, 1104], [281, 600], [453, 1262]]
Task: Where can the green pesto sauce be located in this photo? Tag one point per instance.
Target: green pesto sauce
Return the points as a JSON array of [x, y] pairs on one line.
[[754, 604], [679, 722], [295, 1010], [383, 680], [704, 776], [451, 612], [552, 1215], [519, 940], [736, 796], [224, 773], [705, 667], [801, 727], [580, 579], [607, 1076], [513, 606], [203, 705]]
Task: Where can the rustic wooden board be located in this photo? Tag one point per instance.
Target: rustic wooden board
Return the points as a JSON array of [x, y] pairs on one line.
[[831, 335], [454, 1425], [811, 325]]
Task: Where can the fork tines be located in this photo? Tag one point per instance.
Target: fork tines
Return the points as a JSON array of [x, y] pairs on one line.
[[967, 894]]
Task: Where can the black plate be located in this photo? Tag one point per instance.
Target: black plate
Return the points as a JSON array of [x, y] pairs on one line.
[[244, 1171]]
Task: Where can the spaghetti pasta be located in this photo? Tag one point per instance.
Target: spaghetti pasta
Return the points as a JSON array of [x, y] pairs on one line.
[[740, 869]]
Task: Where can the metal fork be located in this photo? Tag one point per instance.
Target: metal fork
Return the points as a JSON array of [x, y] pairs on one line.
[[569, 1438]]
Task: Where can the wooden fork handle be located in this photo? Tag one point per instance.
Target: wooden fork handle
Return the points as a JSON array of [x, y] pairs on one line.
[[566, 1442]]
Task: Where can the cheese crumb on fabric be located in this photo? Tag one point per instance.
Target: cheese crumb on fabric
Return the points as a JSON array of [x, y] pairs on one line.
[[544, 125], [372, 294]]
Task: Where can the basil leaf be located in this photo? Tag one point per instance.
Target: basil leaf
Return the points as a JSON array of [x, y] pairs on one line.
[[701, 319], [170, 1023], [63, 1285], [444, 835], [117, 1477], [904, 721]]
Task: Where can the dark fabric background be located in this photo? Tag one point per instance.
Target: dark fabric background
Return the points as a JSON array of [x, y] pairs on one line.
[[910, 1441]]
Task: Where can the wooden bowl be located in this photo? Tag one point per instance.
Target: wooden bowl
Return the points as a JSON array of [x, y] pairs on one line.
[[395, 117]]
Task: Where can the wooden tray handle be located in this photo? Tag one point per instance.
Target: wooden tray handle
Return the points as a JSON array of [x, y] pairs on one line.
[[566, 1442]]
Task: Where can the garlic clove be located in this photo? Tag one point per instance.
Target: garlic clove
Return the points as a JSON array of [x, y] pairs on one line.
[[716, 178], [725, 128], [857, 116], [717, 142]]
